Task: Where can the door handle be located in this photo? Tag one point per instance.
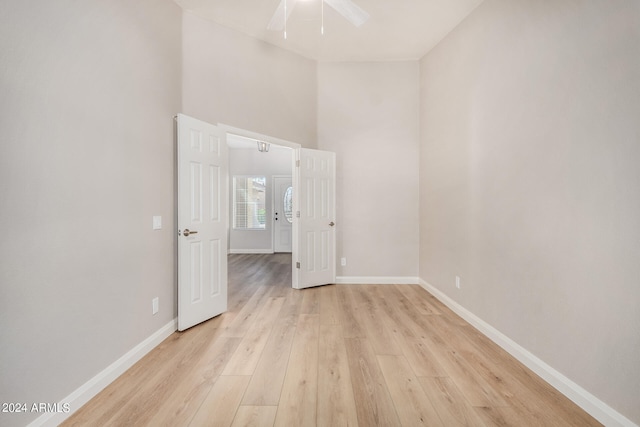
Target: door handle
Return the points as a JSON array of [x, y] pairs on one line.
[[186, 232], [331, 224]]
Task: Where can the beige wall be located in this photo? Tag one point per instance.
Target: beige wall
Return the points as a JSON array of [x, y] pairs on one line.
[[368, 114], [240, 81], [86, 153], [530, 185]]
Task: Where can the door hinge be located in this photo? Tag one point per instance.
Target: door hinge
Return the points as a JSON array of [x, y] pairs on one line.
[[297, 264], [297, 163], [297, 214]]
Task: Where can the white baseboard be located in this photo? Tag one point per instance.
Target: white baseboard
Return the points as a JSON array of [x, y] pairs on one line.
[[96, 384], [581, 397], [250, 251], [376, 280]]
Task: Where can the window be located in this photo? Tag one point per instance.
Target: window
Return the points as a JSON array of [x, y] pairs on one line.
[[288, 204], [249, 211]]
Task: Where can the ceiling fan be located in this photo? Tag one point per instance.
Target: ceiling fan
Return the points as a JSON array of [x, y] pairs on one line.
[[347, 8]]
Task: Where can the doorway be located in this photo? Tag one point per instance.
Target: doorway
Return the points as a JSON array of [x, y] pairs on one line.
[[258, 223], [204, 175], [313, 228]]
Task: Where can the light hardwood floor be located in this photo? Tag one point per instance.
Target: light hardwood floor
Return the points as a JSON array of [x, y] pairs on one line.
[[337, 355]]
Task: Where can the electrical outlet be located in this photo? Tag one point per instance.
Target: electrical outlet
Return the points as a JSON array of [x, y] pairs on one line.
[[157, 222], [458, 282], [343, 261], [154, 305]]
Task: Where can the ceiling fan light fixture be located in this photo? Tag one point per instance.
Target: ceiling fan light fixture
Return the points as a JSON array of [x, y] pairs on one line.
[[347, 8]]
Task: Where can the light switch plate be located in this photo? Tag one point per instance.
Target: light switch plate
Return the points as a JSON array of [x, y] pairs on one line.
[[157, 222]]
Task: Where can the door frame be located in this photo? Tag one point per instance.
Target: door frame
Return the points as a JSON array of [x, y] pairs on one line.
[[225, 129]]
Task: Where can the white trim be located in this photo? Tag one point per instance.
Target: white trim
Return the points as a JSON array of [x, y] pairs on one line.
[[581, 397], [251, 251], [258, 136], [96, 384], [376, 280]]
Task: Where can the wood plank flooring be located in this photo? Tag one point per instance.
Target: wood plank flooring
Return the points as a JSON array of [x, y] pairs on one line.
[[337, 355]]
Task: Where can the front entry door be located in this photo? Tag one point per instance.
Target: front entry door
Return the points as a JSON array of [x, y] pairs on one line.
[[282, 213], [314, 222], [202, 222]]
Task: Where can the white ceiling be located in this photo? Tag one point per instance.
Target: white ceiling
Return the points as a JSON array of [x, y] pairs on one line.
[[396, 29]]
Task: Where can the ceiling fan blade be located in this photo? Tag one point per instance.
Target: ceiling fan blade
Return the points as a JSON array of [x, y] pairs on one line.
[[277, 20], [351, 11]]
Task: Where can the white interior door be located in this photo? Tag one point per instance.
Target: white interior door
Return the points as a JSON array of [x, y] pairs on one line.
[[314, 236], [202, 222], [282, 213]]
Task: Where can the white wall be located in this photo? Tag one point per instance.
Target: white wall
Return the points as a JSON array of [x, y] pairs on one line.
[[251, 162], [368, 114], [530, 185], [240, 81], [89, 90]]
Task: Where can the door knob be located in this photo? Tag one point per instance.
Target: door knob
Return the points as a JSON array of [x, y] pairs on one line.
[[186, 232], [331, 224]]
